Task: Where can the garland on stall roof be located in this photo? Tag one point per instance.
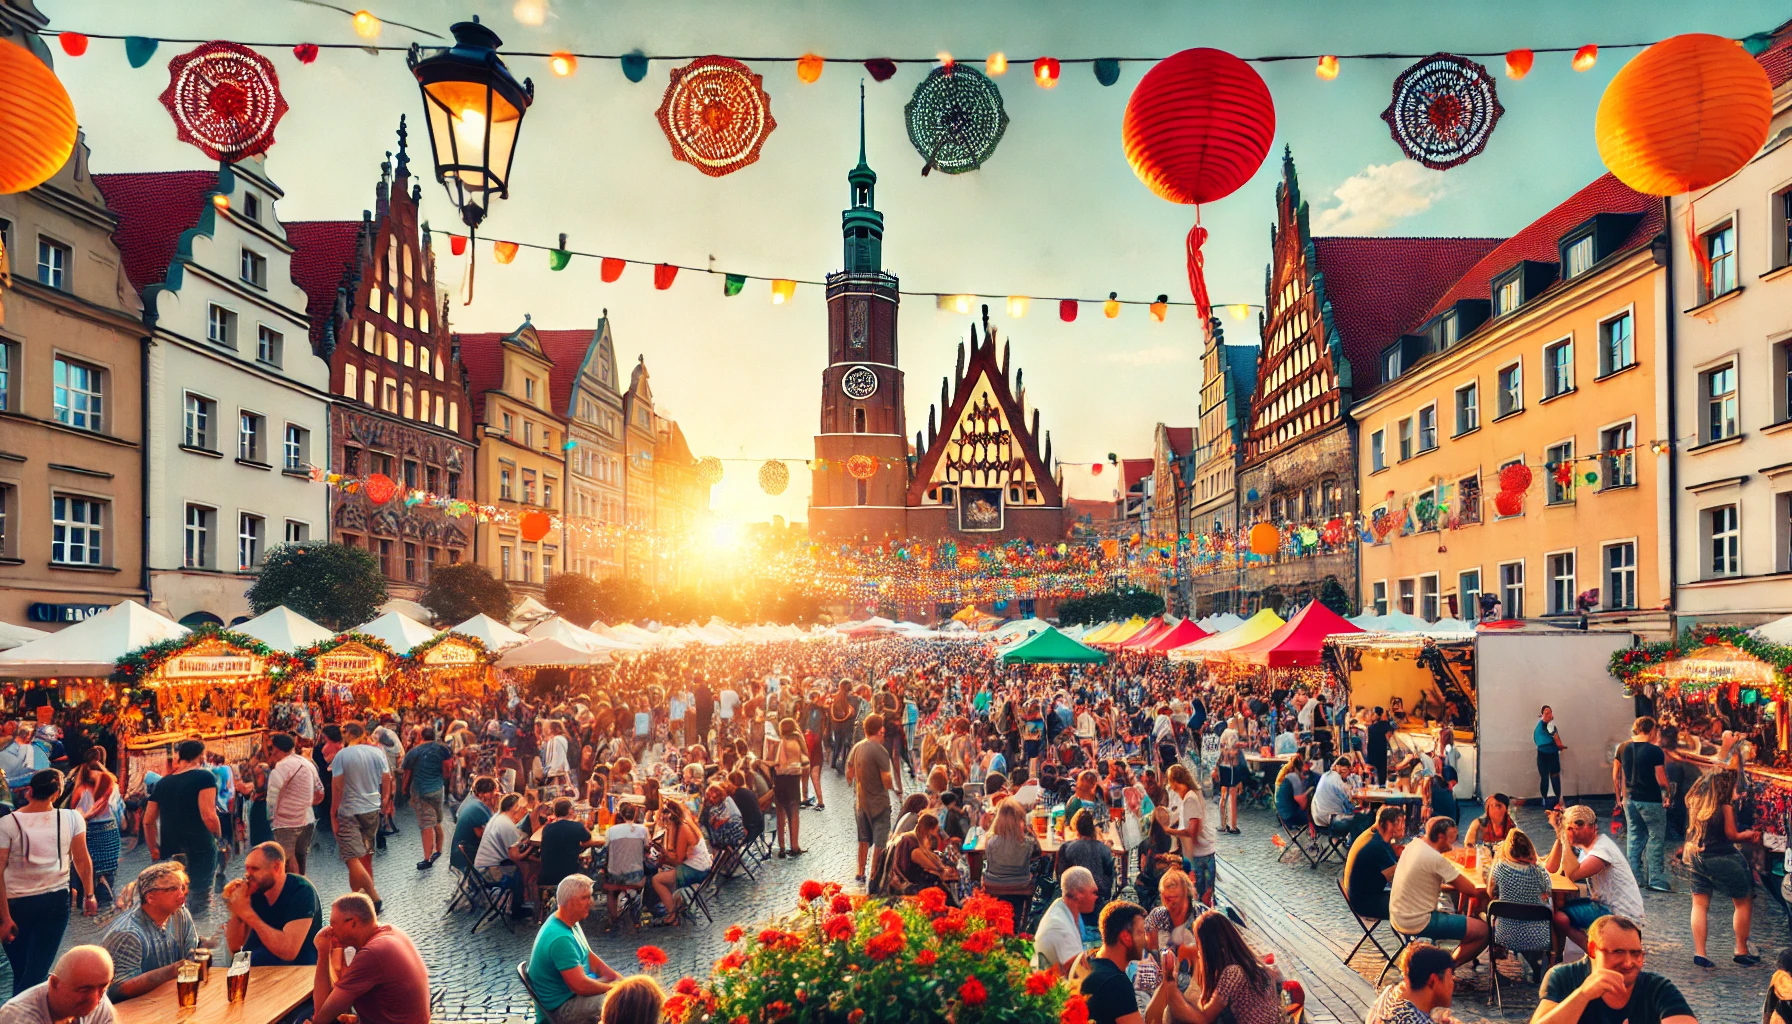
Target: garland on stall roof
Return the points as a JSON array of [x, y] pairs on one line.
[[308, 656], [1626, 665], [415, 657], [139, 664]]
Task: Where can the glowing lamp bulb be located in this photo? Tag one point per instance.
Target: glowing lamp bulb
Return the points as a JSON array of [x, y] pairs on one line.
[[563, 64], [1045, 72], [997, 64], [366, 25], [808, 68], [530, 12], [1586, 57], [1518, 63], [1160, 308], [962, 303], [1327, 68], [1111, 308], [469, 131], [782, 290], [1017, 306], [945, 59], [221, 201]]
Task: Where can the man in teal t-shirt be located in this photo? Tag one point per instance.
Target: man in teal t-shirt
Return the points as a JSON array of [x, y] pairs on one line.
[[569, 980]]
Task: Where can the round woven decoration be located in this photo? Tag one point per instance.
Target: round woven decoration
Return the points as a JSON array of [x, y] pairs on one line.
[[225, 99], [716, 115], [862, 467], [774, 476], [709, 470], [955, 119], [1443, 111]]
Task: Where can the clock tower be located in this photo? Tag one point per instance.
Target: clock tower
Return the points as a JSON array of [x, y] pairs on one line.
[[861, 388]]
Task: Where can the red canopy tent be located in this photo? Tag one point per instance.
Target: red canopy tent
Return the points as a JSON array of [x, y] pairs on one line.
[[1298, 642], [1184, 632], [1153, 629]]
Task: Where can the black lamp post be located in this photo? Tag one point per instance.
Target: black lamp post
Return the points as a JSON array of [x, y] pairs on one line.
[[475, 112]]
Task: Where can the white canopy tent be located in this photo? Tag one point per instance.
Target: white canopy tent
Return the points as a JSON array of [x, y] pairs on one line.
[[90, 648], [559, 629], [1779, 631], [400, 632], [528, 612], [409, 609], [549, 652], [495, 635], [1220, 622], [284, 630], [17, 636]]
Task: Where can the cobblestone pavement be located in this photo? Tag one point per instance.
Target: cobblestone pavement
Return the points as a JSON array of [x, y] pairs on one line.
[[1289, 908]]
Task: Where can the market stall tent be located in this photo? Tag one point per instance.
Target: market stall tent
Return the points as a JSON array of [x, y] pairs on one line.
[[1220, 622], [1250, 630], [90, 648], [409, 609], [495, 635], [1779, 631], [1126, 631], [1022, 627], [1401, 622], [1155, 628], [1367, 620], [1053, 648], [550, 652], [1095, 633], [559, 629], [528, 612], [1297, 643], [1179, 635], [399, 632], [284, 630], [17, 636]]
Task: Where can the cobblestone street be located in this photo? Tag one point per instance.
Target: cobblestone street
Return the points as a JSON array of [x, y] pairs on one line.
[[1293, 910]]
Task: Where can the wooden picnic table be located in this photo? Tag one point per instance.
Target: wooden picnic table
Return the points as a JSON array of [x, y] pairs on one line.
[[273, 993], [1464, 859], [1049, 845]]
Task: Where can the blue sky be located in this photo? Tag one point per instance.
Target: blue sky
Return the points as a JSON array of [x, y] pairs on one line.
[[1056, 211]]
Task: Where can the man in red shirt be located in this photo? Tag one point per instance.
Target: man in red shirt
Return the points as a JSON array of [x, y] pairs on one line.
[[387, 982]]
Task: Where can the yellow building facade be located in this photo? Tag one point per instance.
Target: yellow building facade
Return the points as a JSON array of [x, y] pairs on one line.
[[1545, 355]]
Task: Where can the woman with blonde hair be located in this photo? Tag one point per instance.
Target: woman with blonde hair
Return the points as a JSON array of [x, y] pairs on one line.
[[1717, 865], [789, 764], [1516, 877], [1170, 928], [1008, 860]]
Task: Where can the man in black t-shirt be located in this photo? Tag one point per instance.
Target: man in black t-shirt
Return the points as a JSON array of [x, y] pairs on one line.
[[562, 840], [182, 818], [1610, 986], [1369, 867], [1643, 767], [1379, 731], [274, 915], [1106, 987]]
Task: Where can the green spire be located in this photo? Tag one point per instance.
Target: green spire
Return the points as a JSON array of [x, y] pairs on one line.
[[861, 224]]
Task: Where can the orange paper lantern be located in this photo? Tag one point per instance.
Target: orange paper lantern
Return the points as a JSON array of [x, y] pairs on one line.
[[1045, 72], [1265, 539], [1586, 57], [379, 488], [37, 121], [1518, 63], [808, 68], [534, 525], [862, 467], [1685, 113]]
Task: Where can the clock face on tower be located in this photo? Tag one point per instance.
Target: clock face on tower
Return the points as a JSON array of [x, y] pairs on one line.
[[858, 322], [859, 383]]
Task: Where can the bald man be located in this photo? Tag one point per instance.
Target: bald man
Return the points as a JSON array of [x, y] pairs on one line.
[[75, 991]]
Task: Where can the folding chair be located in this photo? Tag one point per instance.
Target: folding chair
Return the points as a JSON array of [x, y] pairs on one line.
[[494, 899], [1400, 940], [522, 973], [1298, 837], [624, 856], [1511, 911]]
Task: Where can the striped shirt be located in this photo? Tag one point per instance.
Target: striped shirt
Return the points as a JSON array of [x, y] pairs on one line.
[[138, 946]]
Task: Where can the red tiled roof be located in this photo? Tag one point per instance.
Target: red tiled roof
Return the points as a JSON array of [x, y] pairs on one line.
[[1381, 288], [153, 209], [323, 253], [1778, 59], [1182, 439], [567, 349], [1540, 238], [482, 355], [1134, 470]]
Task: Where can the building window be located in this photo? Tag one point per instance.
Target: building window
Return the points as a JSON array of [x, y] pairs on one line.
[[547, 492], [504, 563], [9, 356], [864, 493], [1511, 389], [453, 485], [389, 394], [528, 433], [1468, 595], [1723, 541], [1468, 408], [220, 326], [507, 425], [351, 461], [6, 499], [1558, 368], [529, 389], [1405, 439], [1390, 364], [1427, 428], [528, 487], [1447, 331], [79, 396], [1620, 576], [1468, 502], [1512, 589], [201, 414], [1428, 598], [1617, 344], [504, 483], [432, 480], [1378, 455], [1617, 449], [296, 453], [410, 353], [249, 437], [430, 555], [1782, 222], [410, 562], [1408, 596], [547, 566], [1507, 295], [268, 346], [75, 537], [1379, 597], [1782, 355], [297, 532], [858, 421], [1561, 583], [201, 527], [410, 475], [385, 557], [1577, 257], [454, 416], [528, 566], [1718, 386], [52, 264], [251, 206], [1720, 261], [1558, 463], [250, 529], [254, 269]]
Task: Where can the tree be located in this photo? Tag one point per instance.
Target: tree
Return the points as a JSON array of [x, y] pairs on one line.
[[623, 600], [575, 596], [334, 585], [1108, 606], [460, 591], [1332, 595]]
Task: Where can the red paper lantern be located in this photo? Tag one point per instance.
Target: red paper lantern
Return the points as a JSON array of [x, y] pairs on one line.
[[1067, 310], [1516, 477], [1509, 503], [379, 488], [1685, 113], [37, 121], [534, 525], [1095, 470], [1265, 539], [306, 52]]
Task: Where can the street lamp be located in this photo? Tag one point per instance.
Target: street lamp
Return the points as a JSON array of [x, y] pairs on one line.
[[475, 111]]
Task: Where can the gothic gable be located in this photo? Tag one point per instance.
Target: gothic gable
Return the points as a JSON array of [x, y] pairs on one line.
[[986, 441]]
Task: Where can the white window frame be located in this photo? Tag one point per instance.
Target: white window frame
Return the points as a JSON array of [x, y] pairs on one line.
[[1509, 608], [1407, 434], [1378, 450], [1707, 401], [270, 346], [204, 531], [201, 411], [251, 436], [1436, 596], [1709, 289], [1473, 390], [54, 273], [10, 354], [1608, 463], [1569, 270], [221, 324], [1603, 332], [71, 534], [252, 268], [1607, 592], [1711, 539], [295, 452], [251, 540], [1418, 420], [1516, 394], [1565, 344], [1407, 594], [1468, 609], [73, 403], [303, 527], [1565, 607]]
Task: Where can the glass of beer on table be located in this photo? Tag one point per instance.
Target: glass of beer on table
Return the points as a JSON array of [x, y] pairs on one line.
[[186, 982]]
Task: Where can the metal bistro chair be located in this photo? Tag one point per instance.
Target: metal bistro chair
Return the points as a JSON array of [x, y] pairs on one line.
[[522, 974], [1512, 911], [625, 856], [1369, 928]]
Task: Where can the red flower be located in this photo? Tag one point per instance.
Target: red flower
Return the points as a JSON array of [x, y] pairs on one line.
[[830, 888], [733, 933], [972, 992], [932, 900], [676, 1007], [779, 1009], [980, 941], [1711, 638], [838, 927], [891, 921], [951, 924], [810, 892], [731, 962], [886, 945], [1076, 1011], [688, 987], [840, 905], [855, 1016], [770, 936], [1040, 982], [926, 957], [651, 956]]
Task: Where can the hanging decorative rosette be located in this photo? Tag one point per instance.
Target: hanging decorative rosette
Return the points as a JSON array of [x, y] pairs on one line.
[[709, 470], [774, 477], [379, 488], [955, 119], [716, 114], [1516, 477], [1443, 111], [862, 467], [225, 99]]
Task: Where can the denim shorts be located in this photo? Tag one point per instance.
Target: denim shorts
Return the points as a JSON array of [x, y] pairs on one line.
[[1725, 874], [1582, 913], [1201, 872], [686, 875], [1445, 926]]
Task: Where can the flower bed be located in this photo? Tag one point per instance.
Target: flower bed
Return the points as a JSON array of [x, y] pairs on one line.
[[844, 959]]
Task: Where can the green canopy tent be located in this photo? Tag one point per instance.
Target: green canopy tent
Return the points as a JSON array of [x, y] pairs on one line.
[[1052, 648]]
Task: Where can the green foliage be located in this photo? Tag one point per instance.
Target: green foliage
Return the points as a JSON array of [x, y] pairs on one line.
[[578, 598], [1332, 595], [622, 600], [458, 592], [1628, 663], [1106, 607], [140, 663], [333, 585]]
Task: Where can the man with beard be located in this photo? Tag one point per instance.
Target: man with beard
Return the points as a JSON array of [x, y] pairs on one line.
[[1610, 985], [274, 915]]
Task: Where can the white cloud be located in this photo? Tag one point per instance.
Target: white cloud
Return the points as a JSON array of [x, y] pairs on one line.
[[1369, 203]]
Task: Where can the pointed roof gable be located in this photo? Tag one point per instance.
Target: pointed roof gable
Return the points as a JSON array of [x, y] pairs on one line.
[[570, 351], [1181, 439], [482, 356], [638, 384], [153, 210], [1134, 470], [671, 446], [324, 256], [984, 365]]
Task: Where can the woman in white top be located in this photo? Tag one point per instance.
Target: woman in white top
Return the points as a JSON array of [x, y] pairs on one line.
[[1231, 771], [687, 858], [38, 842]]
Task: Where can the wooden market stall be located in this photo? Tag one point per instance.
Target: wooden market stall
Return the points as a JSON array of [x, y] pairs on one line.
[[213, 685]]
